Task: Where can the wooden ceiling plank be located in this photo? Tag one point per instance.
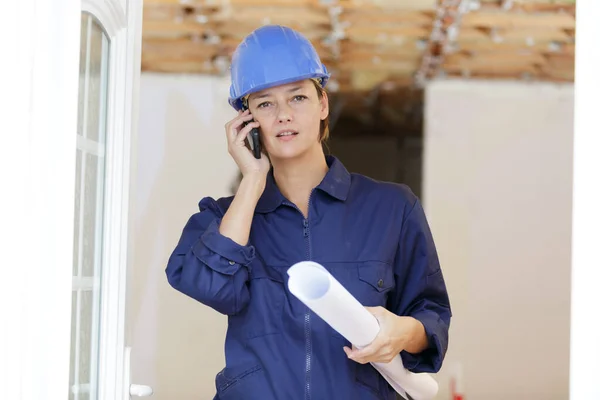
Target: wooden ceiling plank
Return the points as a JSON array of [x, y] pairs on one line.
[[179, 67], [491, 68], [514, 20], [507, 46], [386, 17], [153, 28], [472, 34], [369, 5], [273, 3], [547, 34], [366, 65], [464, 60], [385, 47], [260, 15], [386, 35], [367, 55]]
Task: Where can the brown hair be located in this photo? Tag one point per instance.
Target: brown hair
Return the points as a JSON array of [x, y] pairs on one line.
[[324, 132]]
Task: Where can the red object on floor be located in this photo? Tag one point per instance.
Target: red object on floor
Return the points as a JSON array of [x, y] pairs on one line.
[[455, 395]]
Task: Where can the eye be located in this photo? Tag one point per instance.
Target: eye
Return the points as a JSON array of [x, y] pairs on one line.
[[264, 104], [300, 97]]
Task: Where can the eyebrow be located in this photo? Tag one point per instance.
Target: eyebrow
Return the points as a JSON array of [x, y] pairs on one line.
[[267, 94]]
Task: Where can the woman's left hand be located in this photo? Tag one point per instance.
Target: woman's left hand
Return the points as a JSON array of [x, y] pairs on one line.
[[396, 333]]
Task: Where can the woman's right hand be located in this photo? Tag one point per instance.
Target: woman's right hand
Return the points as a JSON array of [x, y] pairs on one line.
[[236, 145]]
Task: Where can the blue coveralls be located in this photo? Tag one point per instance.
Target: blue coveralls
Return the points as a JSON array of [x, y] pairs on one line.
[[372, 236]]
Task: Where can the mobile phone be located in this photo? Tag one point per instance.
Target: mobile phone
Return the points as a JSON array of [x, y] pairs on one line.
[[254, 141]]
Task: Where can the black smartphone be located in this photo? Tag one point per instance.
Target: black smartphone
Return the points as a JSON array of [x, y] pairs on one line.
[[254, 141]]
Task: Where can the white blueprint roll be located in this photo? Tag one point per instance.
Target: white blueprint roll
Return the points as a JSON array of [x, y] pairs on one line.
[[314, 286]]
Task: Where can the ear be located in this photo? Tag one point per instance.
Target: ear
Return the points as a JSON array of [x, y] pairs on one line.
[[324, 106]]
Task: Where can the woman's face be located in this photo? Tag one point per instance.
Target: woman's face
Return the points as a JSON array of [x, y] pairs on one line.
[[290, 118]]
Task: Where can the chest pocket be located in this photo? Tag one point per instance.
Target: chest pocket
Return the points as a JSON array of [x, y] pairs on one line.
[[370, 282], [375, 281], [263, 315]]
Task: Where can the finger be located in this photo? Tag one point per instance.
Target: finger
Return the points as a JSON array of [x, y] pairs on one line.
[[239, 119], [374, 349], [359, 355], [383, 355], [236, 126], [243, 133]]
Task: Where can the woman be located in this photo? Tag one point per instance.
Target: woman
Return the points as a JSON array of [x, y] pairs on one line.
[[294, 204]]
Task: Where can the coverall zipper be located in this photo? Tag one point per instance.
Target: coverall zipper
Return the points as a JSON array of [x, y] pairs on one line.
[[307, 327]]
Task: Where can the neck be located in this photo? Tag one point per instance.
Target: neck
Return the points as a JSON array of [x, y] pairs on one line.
[[297, 177]]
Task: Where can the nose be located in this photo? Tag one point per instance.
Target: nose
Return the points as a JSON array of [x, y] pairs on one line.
[[284, 113]]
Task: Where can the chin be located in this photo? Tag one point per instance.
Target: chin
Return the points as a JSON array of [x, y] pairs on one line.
[[288, 152]]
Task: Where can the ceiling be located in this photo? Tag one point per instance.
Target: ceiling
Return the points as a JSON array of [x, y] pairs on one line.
[[369, 44]]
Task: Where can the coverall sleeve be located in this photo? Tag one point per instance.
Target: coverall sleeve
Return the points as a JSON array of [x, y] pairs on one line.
[[421, 290], [208, 266]]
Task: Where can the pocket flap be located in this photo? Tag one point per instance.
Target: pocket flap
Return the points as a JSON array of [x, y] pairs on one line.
[[377, 274]]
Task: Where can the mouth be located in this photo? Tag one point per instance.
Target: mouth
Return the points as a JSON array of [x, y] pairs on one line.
[[287, 133]]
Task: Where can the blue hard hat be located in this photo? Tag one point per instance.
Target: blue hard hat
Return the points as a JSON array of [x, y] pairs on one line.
[[270, 56]]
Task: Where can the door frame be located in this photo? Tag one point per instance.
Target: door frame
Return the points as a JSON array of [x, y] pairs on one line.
[[121, 20]]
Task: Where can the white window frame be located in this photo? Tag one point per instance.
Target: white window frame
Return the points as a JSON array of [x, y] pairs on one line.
[[123, 28]]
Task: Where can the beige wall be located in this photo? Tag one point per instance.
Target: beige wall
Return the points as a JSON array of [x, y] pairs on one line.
[[497, 190], [177, 343]]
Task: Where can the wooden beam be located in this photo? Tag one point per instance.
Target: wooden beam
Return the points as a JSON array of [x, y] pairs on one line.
[[395, 5], [240, 30], [559, 61], [186, 3], [513, 76], [276, 15], [383, 16], [178, 47], [274, 3], [396, 67], [536, 34], [542, 6], [176, 66], [510, 46], [492, 69], [472, 34], [358, 56], [386, 35], [511, 20], [172, 28], [463, 61], [409, 45]]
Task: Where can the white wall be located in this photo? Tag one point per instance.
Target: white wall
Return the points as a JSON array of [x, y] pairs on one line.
[[182, 156], [497, 191]]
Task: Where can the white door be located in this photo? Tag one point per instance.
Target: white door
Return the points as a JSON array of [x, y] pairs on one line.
[[71, 109], [107, 97]]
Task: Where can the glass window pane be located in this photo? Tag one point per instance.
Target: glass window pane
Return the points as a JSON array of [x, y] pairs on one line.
[[78, 167], [96, 95], [85, 335], [82, 65], [73, 338], [89, 209], [92, 222]]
